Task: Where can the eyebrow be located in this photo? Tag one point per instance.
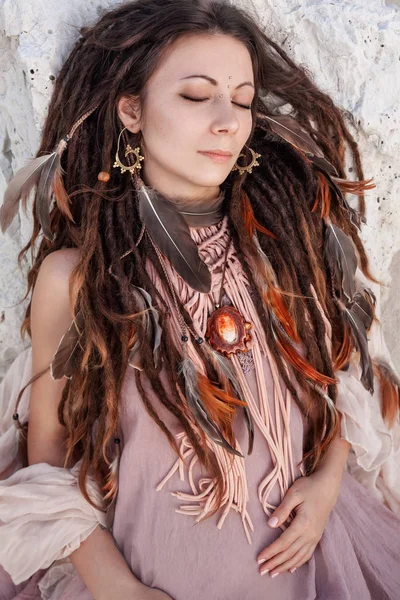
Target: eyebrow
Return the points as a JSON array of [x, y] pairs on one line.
[[215, 82]]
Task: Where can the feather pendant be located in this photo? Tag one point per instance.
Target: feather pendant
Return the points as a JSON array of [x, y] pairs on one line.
[[20, 187], [188, 371], [65, 360], [340, 254], [169, 230], [226, 373], [390, 391], [151, 326]]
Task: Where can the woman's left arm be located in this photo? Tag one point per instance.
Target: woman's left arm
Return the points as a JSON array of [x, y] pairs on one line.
[[312, 499]]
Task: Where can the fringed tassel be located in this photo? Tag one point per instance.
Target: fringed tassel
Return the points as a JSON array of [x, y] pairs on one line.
[[390, 391], [202, 500]]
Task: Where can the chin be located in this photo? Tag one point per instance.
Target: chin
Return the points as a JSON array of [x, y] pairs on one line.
[[211, 179]]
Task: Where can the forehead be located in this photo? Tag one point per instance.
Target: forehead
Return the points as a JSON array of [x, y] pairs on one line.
[[218, 56]]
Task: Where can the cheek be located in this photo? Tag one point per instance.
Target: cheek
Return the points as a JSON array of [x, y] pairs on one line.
[[169, 128]]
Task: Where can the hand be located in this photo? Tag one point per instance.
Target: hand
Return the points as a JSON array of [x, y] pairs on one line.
[[149, 593], [311, 498]]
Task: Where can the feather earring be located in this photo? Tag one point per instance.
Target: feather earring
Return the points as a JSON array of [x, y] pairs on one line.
[[169, 230]]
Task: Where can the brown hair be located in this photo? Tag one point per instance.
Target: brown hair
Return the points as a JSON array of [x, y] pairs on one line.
[[116, 57]]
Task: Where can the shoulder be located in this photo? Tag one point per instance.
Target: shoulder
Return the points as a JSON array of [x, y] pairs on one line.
[[51, 313], [59, 264]]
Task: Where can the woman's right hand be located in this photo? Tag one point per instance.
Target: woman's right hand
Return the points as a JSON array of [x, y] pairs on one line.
[[149, 593]]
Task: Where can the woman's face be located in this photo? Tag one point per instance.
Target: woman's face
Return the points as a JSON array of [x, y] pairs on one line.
[[177, 130]]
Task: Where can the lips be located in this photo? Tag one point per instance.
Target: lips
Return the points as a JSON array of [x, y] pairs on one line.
[[216, 152], [219, 156]]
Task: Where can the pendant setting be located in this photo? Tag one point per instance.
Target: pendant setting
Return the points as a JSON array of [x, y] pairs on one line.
[[227, 331]]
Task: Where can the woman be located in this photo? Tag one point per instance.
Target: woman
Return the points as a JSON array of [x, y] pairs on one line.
[[205, 251]]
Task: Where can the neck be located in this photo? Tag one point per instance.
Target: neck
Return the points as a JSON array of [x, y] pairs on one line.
[[197, 212]]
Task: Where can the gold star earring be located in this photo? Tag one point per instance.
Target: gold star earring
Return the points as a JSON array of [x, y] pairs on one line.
[[248, 168], [128, 150]]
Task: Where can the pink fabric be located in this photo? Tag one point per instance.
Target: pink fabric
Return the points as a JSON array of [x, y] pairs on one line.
[[357, 557]]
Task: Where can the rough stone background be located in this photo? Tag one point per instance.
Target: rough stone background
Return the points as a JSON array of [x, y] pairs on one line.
[[351, 48]]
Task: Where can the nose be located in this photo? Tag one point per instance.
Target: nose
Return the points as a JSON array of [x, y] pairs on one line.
[[225, 119]]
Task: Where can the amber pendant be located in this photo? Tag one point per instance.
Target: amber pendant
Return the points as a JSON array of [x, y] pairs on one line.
[[227, 331]]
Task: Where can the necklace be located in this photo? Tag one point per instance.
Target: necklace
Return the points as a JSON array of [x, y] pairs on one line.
[[227, 330]]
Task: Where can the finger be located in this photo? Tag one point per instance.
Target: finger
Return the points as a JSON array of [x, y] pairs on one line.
[[282, 557], [309, 554], [300, 558], [281, 514], [282, 543]]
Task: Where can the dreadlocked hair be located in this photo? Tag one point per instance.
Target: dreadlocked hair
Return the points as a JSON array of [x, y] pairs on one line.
[[115, 57]]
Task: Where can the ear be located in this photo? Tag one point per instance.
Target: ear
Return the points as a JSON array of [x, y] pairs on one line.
[[128, 109]]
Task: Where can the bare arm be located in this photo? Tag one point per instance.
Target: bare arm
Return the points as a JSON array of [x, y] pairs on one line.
[[98, 560]]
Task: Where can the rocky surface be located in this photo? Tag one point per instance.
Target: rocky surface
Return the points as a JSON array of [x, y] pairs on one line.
[[351, 48]]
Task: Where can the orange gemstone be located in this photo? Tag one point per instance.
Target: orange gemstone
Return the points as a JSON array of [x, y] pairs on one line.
[[226, 328]]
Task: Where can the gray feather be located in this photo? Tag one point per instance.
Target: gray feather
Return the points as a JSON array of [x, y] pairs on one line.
[[44, 194], [224, 365], [290, 130], [65, 358], [359, 335], [170, 232], [151, 326], [187, 370], [20, 187], [339, 252]]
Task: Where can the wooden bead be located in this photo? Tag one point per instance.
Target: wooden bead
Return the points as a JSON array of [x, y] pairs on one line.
[[103, 176]]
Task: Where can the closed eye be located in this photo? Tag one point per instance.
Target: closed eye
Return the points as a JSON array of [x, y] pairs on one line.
[[204, 99]]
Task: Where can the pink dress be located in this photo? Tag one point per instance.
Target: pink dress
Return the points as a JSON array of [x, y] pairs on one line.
[[43, 516]]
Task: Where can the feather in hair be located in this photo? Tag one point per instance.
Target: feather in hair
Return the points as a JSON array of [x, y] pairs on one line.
[[188, 371], [65, 360], [152, 329], [20, 187], [389, 390], [111, 485], [169, 230], [231, 384], [340, 254], [354, 317], [286, 127]]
